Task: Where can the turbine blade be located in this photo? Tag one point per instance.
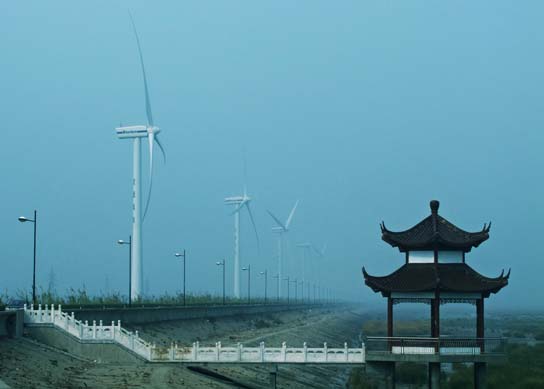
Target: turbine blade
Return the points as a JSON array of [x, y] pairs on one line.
[[276, 220], [245, 174], [290, 218], [147, 102], [254, 225], [151, 138], [323, 249], [160, 147]]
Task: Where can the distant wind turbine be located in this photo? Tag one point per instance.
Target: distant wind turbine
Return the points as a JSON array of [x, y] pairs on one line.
[[305, 248], [320, 254], [281, 229], [149, 131], [240, 202]]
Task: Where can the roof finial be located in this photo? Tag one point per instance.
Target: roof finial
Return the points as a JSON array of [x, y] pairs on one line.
[[434, 206]]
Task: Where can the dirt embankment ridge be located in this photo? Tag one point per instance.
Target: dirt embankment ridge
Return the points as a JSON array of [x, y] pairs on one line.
[[25, 364]]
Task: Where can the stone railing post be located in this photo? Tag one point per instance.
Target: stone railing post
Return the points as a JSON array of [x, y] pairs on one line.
[[132, 341], [52, 313], [94, 329], [325, 351], [24, 307], [112, 329], [363, 351], [346, 351], [262, 351], [101, 330], [40, 319], [240, 352], [80, 330], [171, 351], [195, 351], [217, 350], [86, 333], [305, 347], [284, 351]]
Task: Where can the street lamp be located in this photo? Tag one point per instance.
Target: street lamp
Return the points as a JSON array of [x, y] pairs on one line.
[[265, 274], [23, 219], [295, 281], [288, 282], [277, 288], [302, 291], [120, 241], [248, 269], [182, 255], [222, 263]]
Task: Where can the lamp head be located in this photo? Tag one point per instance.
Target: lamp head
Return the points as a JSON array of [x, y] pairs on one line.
[[178, 255], [23, 219]]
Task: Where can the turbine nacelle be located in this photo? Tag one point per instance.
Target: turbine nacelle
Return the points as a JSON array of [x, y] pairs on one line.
[[132, 132], [126, 132]]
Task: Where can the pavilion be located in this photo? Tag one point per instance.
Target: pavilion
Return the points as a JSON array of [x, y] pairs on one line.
[[435, 272]]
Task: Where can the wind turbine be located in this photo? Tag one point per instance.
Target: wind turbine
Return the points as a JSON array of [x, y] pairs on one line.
[[305, 248], [149, 131], [281, 229], [320, 254], [239, 202]]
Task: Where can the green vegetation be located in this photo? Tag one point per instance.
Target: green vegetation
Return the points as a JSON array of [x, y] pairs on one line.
[[524, 369], [75, 298]]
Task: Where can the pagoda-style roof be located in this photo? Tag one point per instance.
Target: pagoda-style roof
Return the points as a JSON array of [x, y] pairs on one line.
[[428, 277], [435, 233]]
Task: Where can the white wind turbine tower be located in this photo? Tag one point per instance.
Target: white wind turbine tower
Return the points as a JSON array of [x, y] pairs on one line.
[[281, 229], [136, 133], [239, 202]]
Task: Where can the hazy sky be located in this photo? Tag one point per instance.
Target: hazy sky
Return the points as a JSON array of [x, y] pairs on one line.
[[363, 110]]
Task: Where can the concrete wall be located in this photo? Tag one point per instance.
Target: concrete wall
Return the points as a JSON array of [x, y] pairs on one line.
[[100, 352], [11, 323], [157, 314]]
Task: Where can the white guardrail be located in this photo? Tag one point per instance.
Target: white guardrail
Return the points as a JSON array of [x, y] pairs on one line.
[[114, 333]]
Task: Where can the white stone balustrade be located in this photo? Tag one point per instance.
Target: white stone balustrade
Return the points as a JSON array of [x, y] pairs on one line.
[[114, 333]]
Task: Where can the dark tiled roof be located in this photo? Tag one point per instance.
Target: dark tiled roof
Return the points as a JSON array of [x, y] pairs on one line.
[[435, 232], [427, 277]]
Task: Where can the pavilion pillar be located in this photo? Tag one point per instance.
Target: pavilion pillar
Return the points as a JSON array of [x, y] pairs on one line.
[[480, 369], [434, 367], [389, 317], [480, 318]]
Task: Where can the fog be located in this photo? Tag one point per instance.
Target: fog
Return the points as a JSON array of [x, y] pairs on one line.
[[364, 111]]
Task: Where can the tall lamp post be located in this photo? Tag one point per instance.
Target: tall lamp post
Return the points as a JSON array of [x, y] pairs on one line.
[[222, 263], [295, 281], [120, 241], [23, 219], [288, 282], [277, 287], [182, 255], [265, 274], [248, 269], [302, 291]]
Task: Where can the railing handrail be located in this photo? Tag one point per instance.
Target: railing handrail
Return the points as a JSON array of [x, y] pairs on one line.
[[447, 337]]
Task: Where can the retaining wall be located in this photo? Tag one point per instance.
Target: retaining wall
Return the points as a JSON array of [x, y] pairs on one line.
[[98, 351], [157, 314], [11, 323]]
